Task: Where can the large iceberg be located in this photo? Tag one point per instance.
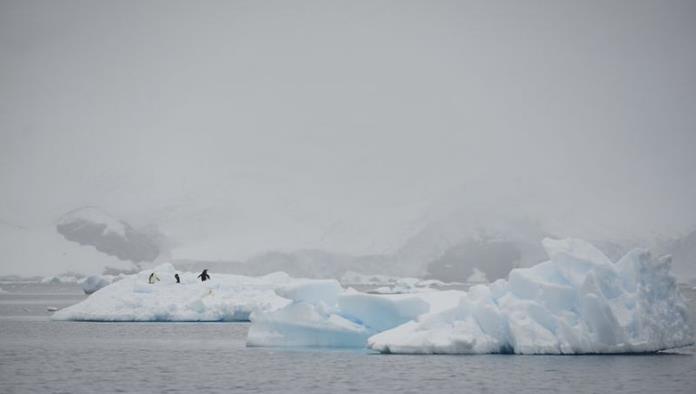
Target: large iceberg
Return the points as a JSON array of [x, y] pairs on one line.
[[223, 298], [578, 302]]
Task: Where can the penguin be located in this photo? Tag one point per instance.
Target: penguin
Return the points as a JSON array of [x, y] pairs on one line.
[[153, 278], [204, 275], [176, 276]]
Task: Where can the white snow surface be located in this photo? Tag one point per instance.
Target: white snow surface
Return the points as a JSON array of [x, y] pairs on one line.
[[222, 298], [578, 302]]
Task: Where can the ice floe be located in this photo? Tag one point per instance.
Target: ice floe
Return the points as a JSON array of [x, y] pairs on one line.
[[222, 298]]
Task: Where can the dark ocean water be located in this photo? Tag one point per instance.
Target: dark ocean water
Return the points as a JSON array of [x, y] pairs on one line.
[[39, 355]]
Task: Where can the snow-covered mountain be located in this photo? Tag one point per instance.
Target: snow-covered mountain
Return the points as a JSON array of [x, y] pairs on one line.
[[454, 252], [94, 227], [88, 240], [683, 251], [32, 251]]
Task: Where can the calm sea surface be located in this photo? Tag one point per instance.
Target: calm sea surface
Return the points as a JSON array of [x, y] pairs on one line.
[[39, 355]]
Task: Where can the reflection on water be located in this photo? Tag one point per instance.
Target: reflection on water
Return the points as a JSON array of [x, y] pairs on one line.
[[39, 355]]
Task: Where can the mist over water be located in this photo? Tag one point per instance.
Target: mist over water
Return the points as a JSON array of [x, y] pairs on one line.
[[359, 128]]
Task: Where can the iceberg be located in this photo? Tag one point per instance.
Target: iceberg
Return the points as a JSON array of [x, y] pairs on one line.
[[222, 298], [308, 320], [578, 302], [323, 314]]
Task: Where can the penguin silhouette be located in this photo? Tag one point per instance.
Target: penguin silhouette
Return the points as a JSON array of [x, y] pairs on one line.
[[176, 276], [204, 275]]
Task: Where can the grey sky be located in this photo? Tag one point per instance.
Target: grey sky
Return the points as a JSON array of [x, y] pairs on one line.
[[346, 125]]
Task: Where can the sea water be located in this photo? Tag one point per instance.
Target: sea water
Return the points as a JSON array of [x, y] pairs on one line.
[[40, 355]]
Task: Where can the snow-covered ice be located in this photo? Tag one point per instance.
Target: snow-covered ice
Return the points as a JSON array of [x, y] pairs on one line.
[[578, 302], [222, 298]]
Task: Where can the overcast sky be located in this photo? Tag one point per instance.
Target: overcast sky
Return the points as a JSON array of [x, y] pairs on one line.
[[345, 125]]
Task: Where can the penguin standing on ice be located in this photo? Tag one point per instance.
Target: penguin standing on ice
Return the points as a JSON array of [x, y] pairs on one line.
[[176, 276], [153, 278], [204, 275]]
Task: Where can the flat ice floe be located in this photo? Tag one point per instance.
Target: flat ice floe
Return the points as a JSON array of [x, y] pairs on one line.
[[578, 302], [222, 298]]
